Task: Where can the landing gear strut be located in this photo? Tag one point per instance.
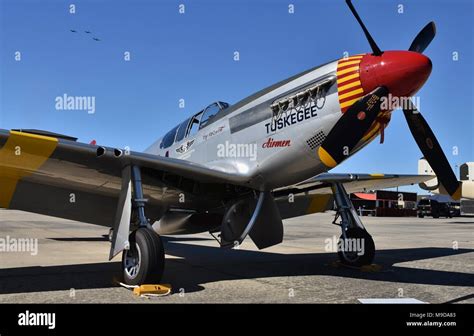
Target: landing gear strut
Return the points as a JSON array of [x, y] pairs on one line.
[[356, 246], [144, 261]]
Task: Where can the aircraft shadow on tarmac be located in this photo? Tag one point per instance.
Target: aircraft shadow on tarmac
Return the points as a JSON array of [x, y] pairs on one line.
[[204, 264]]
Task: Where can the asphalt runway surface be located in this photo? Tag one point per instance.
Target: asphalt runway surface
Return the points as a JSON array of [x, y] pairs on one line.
[[430, 260]]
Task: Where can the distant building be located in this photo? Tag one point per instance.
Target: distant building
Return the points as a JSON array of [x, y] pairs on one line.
[[467, 207], [384, 203], [466, 173]]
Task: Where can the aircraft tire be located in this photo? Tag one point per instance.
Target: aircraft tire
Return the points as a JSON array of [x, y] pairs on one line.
[[353, 258], [144, 262]]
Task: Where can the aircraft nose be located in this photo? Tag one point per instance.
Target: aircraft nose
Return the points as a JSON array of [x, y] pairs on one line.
[[402, 72]]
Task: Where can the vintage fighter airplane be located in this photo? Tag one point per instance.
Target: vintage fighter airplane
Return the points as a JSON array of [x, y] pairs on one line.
[[232, 170]]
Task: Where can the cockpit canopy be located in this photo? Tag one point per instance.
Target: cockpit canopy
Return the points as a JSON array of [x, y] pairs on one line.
[[191, 126]]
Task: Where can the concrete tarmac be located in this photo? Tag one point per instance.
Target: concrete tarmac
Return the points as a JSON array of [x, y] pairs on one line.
[[430, 260]]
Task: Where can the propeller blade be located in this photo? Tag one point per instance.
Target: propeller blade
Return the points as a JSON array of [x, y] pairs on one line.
[[350, 128], [432, 151], [424, 38], [375, 49]]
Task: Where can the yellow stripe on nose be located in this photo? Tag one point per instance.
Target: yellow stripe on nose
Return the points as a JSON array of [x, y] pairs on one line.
[[347, 78], [350, 93], [351, 69], [351, 58], [349, 62], [348, 86], [22, 155]]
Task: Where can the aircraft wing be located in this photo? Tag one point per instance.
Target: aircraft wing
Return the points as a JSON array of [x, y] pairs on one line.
[[315, 195], [56, 176], [365, 182], [51, 174]]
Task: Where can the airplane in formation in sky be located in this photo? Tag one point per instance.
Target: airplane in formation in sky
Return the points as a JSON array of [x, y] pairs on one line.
[[233, 170]]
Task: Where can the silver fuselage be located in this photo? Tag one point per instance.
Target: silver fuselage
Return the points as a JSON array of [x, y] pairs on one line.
[[272, 151]]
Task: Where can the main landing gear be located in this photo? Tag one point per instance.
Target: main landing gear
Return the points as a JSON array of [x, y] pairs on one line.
[[356, 246], [144, 261]]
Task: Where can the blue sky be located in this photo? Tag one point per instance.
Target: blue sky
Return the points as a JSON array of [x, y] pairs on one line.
[[191, 56]]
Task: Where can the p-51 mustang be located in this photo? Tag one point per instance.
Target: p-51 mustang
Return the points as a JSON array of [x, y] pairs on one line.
[[232, 170]]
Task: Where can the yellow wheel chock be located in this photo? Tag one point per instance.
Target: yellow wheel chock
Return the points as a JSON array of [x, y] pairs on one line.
[[152, 290], [148, 291]]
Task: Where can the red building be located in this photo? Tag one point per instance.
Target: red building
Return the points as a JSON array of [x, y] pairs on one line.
[[383, 203]]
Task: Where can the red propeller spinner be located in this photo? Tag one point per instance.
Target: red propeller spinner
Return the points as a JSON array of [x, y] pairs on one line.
[[402, 72]]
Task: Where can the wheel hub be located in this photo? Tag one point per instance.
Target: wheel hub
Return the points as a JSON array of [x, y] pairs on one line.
[[132, 261]]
